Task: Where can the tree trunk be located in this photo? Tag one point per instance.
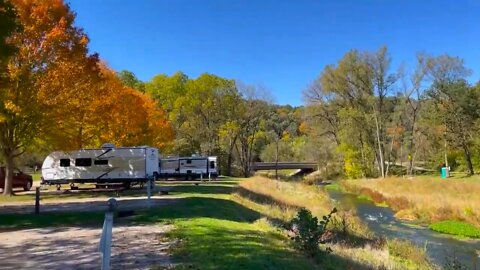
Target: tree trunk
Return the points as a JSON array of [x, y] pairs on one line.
[[229, 164], [7, 190], [276, 161], [380, 148], [468, 159], [389, 157]]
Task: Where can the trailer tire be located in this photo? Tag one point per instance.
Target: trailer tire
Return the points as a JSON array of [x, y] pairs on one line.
[[28, 186], [152, 185]]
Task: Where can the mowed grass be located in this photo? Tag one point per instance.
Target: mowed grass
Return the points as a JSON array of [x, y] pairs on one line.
[[25, 221], [52, 195], [456, 228]]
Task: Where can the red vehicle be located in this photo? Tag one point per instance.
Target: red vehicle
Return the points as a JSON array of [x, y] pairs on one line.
[[20, 180]]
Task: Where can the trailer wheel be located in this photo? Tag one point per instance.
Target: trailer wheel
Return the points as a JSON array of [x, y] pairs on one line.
[[28, 186], [152, 185]]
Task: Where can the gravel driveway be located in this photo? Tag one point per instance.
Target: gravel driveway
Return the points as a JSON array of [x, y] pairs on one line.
[[64, 248]]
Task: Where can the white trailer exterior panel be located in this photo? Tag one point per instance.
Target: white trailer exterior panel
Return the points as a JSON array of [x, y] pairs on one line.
[[101, 165]]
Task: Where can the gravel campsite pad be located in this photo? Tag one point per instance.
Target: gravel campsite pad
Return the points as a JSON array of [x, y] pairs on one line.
[[133, 247]]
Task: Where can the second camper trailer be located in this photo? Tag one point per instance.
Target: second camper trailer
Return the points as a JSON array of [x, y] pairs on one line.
[[188, 167]]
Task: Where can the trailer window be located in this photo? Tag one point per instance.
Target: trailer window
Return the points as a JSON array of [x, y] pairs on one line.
[[212, 164], [100, 162], [189, 161], [64, 162], [83, 162]]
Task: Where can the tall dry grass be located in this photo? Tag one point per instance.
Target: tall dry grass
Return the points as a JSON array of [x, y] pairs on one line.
[[424, 198], [286, 195]]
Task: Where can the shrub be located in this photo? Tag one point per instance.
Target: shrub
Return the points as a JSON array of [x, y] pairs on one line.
[[307, 232], [408, 251]]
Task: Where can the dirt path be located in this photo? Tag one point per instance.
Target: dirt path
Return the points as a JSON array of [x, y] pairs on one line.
[[64, 248]]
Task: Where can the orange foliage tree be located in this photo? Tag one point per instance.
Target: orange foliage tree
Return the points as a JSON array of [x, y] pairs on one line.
[[131, 117], [46, 36], [57, 92]]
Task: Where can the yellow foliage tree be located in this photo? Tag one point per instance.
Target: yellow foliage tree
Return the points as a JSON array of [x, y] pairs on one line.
[[46, 37]]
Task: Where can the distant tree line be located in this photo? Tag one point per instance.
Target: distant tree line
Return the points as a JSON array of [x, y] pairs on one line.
[[371, 116]]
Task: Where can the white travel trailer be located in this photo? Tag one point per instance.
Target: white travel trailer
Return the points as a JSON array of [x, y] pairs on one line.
[[108, 164], [188, 167]]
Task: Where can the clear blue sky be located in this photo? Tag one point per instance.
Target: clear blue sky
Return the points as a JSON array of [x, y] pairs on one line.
[[280, 44]]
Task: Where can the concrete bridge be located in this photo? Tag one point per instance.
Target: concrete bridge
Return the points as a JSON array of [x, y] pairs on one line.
[[263, 166]]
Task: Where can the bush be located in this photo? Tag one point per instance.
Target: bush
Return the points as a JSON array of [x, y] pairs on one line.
[[308, 232], [406, 250]]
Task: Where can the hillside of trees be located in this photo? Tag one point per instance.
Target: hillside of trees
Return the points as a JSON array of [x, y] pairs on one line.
[[361, 115]]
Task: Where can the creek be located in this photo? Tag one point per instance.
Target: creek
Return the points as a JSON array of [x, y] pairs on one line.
[[381, 221]]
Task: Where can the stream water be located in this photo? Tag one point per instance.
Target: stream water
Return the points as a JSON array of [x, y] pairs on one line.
[[381, 220]]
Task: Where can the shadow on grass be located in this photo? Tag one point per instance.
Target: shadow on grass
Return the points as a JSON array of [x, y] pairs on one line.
[[201, 188], [206, 244], [262, 198], [195, 207], [10, 222]]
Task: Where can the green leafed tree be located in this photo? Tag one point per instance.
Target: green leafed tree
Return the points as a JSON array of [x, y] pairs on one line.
[[129, 79], [456, 104]]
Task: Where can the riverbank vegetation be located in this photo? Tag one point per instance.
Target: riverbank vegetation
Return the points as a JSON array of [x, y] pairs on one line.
[[456, 228], [425, 199], [280, 200]]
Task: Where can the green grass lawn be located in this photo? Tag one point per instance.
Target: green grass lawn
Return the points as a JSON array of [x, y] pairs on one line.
[[25, 221], [456, 228]]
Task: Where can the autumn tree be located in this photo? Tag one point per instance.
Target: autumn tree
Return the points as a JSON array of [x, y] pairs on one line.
[[280, 124], [253, 110], [46, 35], [8, 24], [131, 118]]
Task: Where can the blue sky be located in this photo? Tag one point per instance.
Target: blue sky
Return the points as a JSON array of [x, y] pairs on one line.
[[283, 45]]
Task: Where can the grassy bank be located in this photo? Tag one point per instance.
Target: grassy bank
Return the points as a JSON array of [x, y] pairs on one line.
[[425, 199]]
